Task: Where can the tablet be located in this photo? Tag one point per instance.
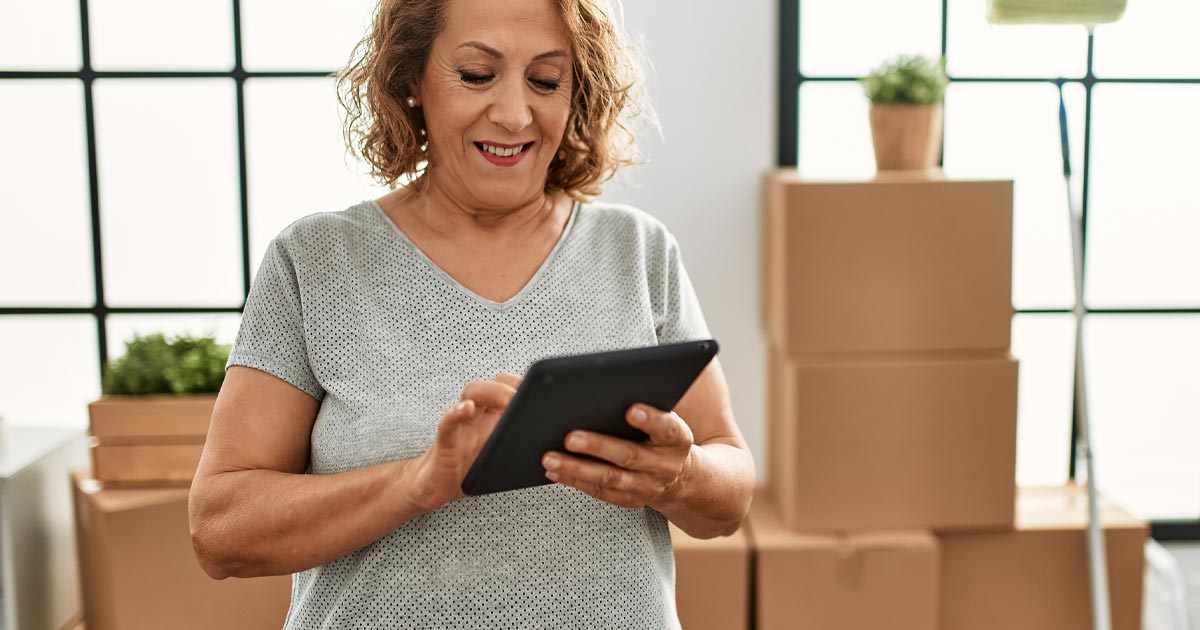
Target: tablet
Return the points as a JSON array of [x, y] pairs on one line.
[[591, 392]]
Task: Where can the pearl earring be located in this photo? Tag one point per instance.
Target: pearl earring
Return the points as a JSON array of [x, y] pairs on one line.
[[411, 101]]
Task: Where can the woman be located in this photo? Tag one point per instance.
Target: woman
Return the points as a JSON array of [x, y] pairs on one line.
[[380, 344]]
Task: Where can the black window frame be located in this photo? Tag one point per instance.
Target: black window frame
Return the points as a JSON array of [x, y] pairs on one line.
[[87, 75]]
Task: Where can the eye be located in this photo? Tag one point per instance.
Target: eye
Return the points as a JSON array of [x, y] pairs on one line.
[[475, 79], [545, 85]]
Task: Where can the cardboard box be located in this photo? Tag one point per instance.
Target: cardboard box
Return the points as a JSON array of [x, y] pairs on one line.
[[712, 581], [146, 463], [148, 440], [1036, 577], [860, 581], [893, 264], [138, 570], [893, 444]]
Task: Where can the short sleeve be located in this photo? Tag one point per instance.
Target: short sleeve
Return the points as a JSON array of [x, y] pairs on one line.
[[677, 314], [271, 337]]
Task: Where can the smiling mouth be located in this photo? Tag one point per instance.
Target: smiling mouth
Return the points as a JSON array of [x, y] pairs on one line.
[[503, 152]]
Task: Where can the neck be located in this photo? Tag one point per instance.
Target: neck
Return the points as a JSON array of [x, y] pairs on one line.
[[441, 211]]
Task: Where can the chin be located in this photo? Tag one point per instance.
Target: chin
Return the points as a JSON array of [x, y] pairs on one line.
[[505, 196]]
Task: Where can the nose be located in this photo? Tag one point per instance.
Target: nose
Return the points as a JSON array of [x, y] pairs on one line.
[[511, 107]]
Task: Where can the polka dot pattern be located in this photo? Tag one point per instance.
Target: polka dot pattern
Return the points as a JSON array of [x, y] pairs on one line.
[[348, 309]]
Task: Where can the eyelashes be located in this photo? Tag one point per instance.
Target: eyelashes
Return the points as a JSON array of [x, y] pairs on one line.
[[475, 79], [479, 80]]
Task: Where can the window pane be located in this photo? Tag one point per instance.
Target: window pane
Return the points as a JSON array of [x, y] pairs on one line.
[[835, 40], [122, 328], [1045, 345], [1144, 214], [302, 35], [835, 131], [156, 35], [46, 224], [1145, 411], [1010, 131], [41, 35], [977, 48], [169, 192], [1152, 39], [50, 371], [293, 134]]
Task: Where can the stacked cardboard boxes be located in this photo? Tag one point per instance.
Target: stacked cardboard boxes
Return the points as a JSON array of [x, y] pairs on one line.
[[1034, 576], [139, 571], [137, 566], [892, 402]]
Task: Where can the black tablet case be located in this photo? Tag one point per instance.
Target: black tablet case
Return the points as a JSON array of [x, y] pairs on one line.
[[590, 392]]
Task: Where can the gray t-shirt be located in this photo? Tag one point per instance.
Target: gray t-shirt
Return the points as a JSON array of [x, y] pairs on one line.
[[346, 308]]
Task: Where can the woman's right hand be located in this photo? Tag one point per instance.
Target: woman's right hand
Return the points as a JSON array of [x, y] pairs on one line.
[[462, 431]]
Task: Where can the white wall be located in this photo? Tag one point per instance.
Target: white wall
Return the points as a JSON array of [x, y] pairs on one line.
[[713, 86]]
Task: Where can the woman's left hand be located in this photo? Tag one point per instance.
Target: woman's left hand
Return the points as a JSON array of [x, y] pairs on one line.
[[633, 474]]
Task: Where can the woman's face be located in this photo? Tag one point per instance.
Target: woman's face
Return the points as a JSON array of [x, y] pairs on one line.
[[496, 94]]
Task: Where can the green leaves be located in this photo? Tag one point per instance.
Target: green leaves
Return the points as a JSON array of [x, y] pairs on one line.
[[153, 365], [907, 79]]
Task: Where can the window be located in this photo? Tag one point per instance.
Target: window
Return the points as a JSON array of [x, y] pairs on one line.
[[149, 151], [1132, 90]]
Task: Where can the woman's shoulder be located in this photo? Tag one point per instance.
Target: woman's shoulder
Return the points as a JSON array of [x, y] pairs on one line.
[[625, 222], [329, 226]]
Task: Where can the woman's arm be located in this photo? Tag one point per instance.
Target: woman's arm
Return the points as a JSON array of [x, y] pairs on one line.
[[696, 468], [712, 494], [253, 511]]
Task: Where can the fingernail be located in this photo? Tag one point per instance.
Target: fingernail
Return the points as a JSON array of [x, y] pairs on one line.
[[552, 476], [552, 462], [638, 414], [576, 442]]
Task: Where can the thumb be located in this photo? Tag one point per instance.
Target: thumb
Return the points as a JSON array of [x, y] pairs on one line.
[[452, 422]]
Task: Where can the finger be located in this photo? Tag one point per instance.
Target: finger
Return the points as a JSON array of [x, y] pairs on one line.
[[665, 428], [512, 380], [616, 497], [624, 453], [598, 473], [488, 394], [452, 421]]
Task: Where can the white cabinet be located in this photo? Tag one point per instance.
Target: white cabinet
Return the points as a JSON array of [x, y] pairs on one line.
[[39, 572]]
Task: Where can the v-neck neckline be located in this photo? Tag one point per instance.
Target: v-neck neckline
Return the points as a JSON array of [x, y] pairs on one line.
[[450, 280]]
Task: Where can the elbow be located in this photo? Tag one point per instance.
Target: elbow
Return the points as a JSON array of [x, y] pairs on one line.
[[211, 561], [730, 519], [727, 528], [205, 541], [717, 526], [713, 530]]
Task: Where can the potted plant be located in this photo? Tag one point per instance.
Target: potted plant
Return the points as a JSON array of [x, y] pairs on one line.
[[906, 97], [150, 424]]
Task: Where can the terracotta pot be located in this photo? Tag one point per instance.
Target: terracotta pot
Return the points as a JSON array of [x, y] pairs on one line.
[[906, 137]]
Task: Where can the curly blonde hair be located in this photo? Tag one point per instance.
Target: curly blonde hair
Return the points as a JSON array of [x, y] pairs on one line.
[[606, 95]]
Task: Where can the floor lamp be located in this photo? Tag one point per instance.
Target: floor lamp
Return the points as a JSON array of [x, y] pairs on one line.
[[1087, 13]]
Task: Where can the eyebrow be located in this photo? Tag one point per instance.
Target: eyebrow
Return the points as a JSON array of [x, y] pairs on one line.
[[499, 55]]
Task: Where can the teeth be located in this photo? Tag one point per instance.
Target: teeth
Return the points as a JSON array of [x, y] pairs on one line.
[[501, 152]]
